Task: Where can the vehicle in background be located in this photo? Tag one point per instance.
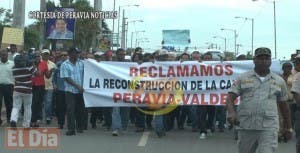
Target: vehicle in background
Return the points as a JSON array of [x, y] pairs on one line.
[[216, 54]]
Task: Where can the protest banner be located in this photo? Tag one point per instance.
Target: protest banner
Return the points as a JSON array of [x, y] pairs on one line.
[[109, 84], [12, 36]]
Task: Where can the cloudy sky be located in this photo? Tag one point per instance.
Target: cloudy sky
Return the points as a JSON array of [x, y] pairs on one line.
[[205, 18]]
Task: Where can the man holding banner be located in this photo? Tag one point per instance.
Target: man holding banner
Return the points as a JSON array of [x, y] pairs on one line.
[[257, 116], [120, 115]]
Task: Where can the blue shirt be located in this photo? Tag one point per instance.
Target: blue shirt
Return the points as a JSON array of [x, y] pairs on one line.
[[73, 71], [57, 80]]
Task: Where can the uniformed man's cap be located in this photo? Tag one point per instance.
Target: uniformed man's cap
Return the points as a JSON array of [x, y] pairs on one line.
[[296, 59], [262, 51]]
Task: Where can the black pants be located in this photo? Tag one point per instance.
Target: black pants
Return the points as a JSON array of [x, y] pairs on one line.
[[107, 116], [170, 118], [202, 112], [142, 118], [96, 113], [75, 111], [297, 130], [60, 106], [211, 114], [6, 92], [38, 93], [184, 112]]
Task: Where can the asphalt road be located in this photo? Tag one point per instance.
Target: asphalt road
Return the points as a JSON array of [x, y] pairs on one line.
[[176, 141]]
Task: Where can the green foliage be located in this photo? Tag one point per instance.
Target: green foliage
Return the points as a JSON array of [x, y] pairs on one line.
[[86, 30], [5, 20], [249, 56], [65, 3], [31, 36], [229, 55]]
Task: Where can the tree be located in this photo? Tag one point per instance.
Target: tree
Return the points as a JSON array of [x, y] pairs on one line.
[[6, 18], [229, 55], [87, 30], [31, 35]]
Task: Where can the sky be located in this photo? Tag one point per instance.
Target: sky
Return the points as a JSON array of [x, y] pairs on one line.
[[204, 19]]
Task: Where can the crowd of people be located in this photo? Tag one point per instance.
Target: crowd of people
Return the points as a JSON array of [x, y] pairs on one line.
[[45, 85]]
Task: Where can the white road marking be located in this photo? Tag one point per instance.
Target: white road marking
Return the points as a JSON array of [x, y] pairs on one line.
[[144, 139]]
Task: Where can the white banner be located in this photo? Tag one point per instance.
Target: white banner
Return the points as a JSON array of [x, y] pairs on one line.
[[188, 83]]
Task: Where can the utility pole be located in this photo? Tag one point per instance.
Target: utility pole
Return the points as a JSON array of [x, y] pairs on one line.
[[98, 7], [42, 31], [19, 14]]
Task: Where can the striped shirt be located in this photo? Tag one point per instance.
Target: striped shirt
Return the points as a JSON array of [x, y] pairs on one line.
[[73, 71], [22, 76]]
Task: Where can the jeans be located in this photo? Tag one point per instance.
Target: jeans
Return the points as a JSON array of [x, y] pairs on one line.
[[26, 100], [120, 118], [159, 123], [48, 103]]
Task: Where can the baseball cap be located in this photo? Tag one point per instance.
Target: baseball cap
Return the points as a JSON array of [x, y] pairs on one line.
[[98, 53], [45, 51], [296, 59], [297, 56], [73, 50], [262, 51]]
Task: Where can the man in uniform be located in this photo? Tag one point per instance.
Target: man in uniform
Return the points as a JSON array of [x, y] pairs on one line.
[[257, 116], [296, 91]]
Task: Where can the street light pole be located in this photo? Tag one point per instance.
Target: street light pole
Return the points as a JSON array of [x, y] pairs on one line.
[[275, 31], [120, 17], [123, 30], [113, 28], [224, 38], [133, 21], [136, 33], [252, 39], [275, 38], [252, 29], [233, 30]]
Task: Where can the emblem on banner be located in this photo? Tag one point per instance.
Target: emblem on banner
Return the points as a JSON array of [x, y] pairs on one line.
[[160, 101]]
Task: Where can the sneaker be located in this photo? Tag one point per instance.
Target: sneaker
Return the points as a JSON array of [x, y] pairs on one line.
[[115, 133], [202, 136]]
